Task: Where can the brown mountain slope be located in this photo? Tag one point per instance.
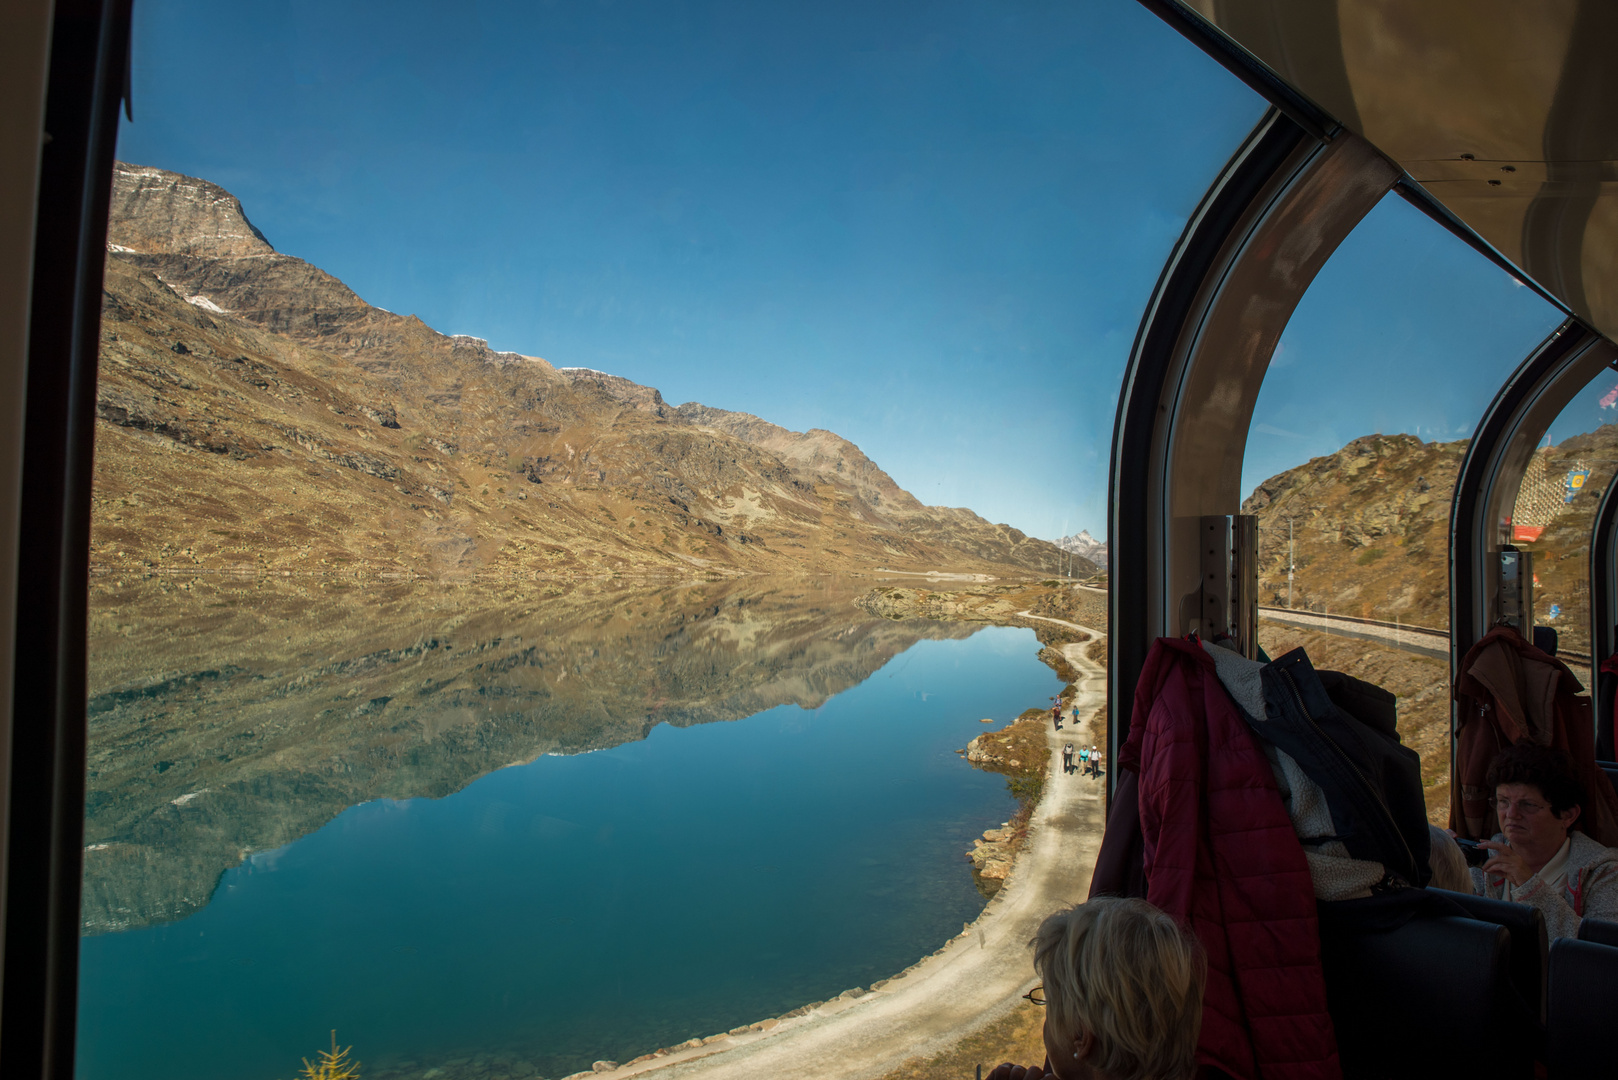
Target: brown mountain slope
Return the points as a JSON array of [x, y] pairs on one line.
[[1370, 525], [1371, 528], [1562, 552], [257, 414], [827, 456], [815, 451]]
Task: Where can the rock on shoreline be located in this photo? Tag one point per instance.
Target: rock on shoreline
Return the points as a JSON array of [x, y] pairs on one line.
[[993, 855]]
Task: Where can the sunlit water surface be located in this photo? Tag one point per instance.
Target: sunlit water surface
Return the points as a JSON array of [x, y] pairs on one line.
[[589, 907]]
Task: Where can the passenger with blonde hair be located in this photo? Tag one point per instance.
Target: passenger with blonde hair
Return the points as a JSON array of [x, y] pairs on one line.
[[1122, 992]]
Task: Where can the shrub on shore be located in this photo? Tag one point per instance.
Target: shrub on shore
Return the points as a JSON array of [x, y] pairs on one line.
[[333, 1064]]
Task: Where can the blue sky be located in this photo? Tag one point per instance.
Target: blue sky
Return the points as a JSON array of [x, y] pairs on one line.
[[1406, 329], [930, 227]]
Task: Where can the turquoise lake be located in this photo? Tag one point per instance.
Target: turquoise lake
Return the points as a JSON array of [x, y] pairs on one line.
[[596, 906]]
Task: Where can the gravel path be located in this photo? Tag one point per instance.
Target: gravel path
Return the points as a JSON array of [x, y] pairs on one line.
[[975, 978]]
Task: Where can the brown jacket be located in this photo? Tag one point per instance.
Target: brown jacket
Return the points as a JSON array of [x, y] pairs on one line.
[[1509, 691]]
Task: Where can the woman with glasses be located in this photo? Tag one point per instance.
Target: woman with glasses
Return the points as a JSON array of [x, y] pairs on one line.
[[1540, 856]]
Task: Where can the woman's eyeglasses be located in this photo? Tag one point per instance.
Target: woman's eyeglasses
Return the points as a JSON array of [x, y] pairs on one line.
[[1523, 806], [1036, 995]]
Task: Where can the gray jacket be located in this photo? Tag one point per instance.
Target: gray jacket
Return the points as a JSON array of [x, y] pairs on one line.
[[1590, 891]]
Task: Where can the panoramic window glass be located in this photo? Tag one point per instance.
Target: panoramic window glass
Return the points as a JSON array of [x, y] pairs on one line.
[[1555, 512], [596, 508], [1357, 436]]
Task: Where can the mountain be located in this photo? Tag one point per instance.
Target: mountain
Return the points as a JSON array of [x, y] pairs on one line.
[[1562, 550], [1370, 529], [257, 416], [1085, 546]]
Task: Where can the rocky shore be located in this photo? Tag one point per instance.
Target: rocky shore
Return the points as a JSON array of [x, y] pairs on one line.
[[993, 855], [1020, 753]]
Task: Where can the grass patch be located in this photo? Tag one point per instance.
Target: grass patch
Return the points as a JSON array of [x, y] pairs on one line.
[[1026, 790], [1369, 556], [1017, 1037]]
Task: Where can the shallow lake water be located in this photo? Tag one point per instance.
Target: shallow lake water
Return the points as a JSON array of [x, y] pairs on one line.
[[585, 907]]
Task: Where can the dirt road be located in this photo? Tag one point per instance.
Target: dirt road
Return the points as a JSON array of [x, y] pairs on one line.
[[975, 978]]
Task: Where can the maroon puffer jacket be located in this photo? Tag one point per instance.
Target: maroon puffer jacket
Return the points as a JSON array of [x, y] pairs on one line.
[[1221, 855]]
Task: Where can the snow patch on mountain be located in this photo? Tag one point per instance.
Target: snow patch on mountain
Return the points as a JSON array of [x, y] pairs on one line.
[[1083, 544]]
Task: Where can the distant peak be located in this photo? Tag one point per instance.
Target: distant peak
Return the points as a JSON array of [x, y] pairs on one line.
[[1083, 544], [158, 212]]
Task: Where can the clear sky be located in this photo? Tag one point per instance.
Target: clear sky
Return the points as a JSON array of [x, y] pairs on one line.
[[930, 226], [1406, 329]]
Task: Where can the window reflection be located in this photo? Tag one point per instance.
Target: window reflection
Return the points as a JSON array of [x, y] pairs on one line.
[[1357, 438], [1555, 511]]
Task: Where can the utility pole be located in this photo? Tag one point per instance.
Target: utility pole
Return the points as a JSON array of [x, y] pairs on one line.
[[1290, 564]]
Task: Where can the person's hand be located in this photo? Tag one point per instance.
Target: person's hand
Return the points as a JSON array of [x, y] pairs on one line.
[[1008, 1071], [1507, 862]]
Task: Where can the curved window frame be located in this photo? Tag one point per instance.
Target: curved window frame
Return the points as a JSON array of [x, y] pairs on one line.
[[1264, 230], [1171, 463]]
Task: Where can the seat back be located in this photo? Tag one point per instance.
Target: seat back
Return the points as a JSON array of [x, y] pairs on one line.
[[1578, 1026], [1434, 997], [1530, 945], [1599, 931], [1610, 771]]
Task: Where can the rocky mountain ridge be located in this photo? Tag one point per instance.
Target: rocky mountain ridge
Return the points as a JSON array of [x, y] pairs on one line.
[[1369, 525], [257, 415], [1085, 546], [1369, 530]]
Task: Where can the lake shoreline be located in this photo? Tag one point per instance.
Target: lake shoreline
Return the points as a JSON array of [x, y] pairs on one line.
[[1065, 649], [946, 995]]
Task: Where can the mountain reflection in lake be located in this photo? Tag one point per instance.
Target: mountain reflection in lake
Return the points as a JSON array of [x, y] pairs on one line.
[[565, 909]]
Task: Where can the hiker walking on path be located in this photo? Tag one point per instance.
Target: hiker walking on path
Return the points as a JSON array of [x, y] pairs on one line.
[[1095, 762], [1067, 758], [1056, 714], [1084, 759]]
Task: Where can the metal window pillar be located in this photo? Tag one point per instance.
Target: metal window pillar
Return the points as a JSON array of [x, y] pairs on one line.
[[1263, 231], [42, 781], [1604, 616], [1229, 552]]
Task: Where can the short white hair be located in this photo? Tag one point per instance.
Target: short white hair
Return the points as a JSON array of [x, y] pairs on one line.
[[1449, 865]]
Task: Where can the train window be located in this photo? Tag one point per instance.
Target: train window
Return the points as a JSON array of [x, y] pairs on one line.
[[1357, 436], [465, 713], [1555, 512]]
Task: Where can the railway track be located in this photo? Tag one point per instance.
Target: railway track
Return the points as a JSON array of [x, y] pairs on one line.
[[1421, 640]]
